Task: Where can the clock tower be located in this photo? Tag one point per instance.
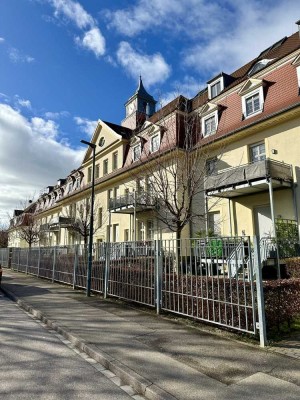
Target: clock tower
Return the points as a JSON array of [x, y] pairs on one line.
[[140, 106]]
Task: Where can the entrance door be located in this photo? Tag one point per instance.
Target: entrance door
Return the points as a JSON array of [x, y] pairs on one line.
[[263, 221]]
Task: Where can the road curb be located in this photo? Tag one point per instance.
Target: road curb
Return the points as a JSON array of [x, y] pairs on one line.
[[140, 384]]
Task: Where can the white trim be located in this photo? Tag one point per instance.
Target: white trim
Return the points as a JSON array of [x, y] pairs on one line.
[[211, 84], [137, 146], [298, 75], [151, 142], [204, 119], [248, 95]]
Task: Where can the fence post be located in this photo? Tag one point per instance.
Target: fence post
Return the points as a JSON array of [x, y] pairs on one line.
[[54, 262], [39, 262], [158, 275], [75, 266], [27, 262], [260, 294], [106, 270], [10, 250], [19, 256]]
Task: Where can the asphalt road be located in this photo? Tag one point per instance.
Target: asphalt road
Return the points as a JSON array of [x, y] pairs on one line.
[[36, 364]]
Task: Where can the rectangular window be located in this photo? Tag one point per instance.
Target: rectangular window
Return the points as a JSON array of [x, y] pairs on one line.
[[252, 104], [116, 192], [257, 152], [115, 233], [215, 89], [211, 166], [136, 152], [105, 166], [109, 197], [154, 143], [126, 235], [150, 229], [141, 230], [97, 171], [214, 224], [100, 217], [89, 177], [209, 126], [115, 160]]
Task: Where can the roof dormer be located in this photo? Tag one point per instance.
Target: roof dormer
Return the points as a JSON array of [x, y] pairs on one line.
[[218, 84]]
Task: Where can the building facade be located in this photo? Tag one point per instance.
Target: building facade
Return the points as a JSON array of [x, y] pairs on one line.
[[227, 162]]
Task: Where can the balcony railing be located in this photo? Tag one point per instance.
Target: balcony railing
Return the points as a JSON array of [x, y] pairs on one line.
[[131, 200], [248, 173]]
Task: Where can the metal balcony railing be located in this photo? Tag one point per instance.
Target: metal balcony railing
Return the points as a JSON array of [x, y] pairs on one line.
[[141, 200], [248, 173]]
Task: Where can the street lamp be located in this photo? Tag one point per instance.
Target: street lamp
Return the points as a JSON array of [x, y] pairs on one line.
[[90, 261]]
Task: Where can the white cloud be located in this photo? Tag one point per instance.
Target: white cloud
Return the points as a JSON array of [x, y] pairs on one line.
[[188, 87], [49, 129], [256, 27], [74, 12], [17, 57], [153, 68], [86, 125], [92, 40], [56, 115], [30, 157], [24, 103], [2, 40], [192, 17]]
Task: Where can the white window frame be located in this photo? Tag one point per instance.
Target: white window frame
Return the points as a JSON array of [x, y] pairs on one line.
[[152, 137], [206, 118], [213, 83], [247, 96], [262, 156], [136, 152]]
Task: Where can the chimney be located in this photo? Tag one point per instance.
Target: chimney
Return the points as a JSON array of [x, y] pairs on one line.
[[298, 23]]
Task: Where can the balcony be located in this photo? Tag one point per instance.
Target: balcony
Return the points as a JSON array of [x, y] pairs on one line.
[[249, 178], [131, 202]]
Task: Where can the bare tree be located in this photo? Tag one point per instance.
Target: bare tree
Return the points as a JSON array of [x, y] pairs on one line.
[[3, 236], [177, 170], [79, 216], [28, 229]]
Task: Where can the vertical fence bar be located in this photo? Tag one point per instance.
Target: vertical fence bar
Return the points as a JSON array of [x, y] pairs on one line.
[[106, 270], [39, 262], [27, 261], [260, 295], [54, 262], [158, 275], [75, 265]]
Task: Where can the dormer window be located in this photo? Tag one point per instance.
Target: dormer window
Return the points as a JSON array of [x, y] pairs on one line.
[[252, 104], [258, 66], [209, 125], [215, 89], [136, 152], [155, 143], [209, 120], [252, 97]]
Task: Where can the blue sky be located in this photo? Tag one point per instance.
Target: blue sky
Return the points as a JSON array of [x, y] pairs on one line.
[[65, 63]]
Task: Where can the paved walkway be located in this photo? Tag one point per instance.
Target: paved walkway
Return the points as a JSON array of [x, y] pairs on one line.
[[160, 358]]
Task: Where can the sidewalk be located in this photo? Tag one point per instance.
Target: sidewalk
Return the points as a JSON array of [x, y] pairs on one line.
[[160, 358]]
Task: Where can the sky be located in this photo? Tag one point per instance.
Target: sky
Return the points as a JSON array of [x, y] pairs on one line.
[[64, 64]]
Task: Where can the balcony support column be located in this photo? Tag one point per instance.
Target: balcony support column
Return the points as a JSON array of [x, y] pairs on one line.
[[296, 207], [230, 221], [274, 233], [206, 214], [134, 218], [272, 207]]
